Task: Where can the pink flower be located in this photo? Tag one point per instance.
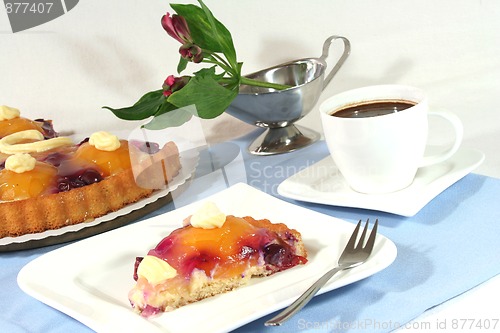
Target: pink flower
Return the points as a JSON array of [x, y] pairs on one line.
[[191, 52], [176, 26], [169, 81], [172, 84]]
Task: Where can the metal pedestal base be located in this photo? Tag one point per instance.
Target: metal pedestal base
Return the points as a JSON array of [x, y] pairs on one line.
[[283, 140]]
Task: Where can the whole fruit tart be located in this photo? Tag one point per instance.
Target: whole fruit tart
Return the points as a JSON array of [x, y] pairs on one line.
[[48, 182]]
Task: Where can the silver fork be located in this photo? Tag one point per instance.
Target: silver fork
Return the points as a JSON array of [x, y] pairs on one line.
[[352, 256]]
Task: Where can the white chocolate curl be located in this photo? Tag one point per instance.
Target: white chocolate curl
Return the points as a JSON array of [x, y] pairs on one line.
[[8, 113], [10, 143], [208, 217], [20, 163], [104, 141], [155, 270]]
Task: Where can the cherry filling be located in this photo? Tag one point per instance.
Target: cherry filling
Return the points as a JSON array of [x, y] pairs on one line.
[[83, 141], [48, 128], [246, 251], [281, 255], [202, 261], [149, 311], [224, 252], [136, 266], [80, 179], [70, 173], [56, 158], [276, 254]]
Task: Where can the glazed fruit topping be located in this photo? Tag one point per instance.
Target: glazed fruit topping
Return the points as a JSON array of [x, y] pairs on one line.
[[29, 184], [18, 124], [70, 167], [224, 251], [108, 162]]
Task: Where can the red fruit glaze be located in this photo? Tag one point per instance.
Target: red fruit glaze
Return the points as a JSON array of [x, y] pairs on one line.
[[225, 252]]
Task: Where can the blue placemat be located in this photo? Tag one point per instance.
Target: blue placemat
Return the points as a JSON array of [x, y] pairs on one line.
[[433, 247]]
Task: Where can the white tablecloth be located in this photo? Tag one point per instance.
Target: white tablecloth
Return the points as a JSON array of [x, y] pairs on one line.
[[111, 52]]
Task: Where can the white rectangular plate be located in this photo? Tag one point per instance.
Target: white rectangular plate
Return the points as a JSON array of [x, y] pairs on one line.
[[89, 280]]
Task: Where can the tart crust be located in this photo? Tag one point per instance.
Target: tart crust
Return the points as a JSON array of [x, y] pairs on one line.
[[78, 205]]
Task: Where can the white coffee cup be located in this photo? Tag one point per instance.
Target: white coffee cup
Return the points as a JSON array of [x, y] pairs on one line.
[[382, 153]]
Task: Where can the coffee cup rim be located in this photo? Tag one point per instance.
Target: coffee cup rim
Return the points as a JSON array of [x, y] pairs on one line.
[[372, 93]]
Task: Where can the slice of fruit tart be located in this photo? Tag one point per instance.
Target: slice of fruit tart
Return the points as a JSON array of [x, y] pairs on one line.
[[212, 254], [48, 182]]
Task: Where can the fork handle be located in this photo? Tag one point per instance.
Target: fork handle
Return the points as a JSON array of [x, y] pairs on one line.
[[300, 302]]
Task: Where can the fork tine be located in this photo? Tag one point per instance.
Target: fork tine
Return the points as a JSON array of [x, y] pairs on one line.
[[371, 240], [363, 235], [352, 241], [351, 257]]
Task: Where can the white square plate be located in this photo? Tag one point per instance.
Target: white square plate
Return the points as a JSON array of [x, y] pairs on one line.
[[323, 183], [89, 280]]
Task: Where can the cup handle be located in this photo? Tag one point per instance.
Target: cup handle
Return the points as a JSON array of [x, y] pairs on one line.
[[459, 131], [340, 62]]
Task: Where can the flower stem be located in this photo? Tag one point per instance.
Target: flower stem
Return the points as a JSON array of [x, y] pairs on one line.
[[221, 60], [264, 84], [211, 60]]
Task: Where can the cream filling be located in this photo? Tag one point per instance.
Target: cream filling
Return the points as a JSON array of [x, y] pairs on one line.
[[8, 113], [10, 143], [104, 141], [208, 216], [155, 270], [20, 163]]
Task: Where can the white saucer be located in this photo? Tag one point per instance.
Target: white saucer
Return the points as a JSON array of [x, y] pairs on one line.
[[323, 183]]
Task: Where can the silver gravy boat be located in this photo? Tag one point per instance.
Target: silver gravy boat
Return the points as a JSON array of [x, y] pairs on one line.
[[277, 110]]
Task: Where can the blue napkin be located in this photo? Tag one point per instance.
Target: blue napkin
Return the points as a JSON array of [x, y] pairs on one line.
[[443, 251]]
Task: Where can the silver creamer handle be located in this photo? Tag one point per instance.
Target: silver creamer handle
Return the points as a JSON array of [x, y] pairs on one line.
[[326, 49]]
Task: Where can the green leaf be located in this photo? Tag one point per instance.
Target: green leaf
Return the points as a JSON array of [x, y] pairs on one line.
[[222, 34], [206, 31], [145, 107], [168, 116], [182, 65], [205, 93]]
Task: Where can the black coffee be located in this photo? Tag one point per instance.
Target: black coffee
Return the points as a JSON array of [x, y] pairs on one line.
[[373, 109]]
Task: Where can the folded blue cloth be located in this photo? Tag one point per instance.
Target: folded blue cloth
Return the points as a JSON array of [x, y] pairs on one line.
[[429, 269], [433, 247]]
